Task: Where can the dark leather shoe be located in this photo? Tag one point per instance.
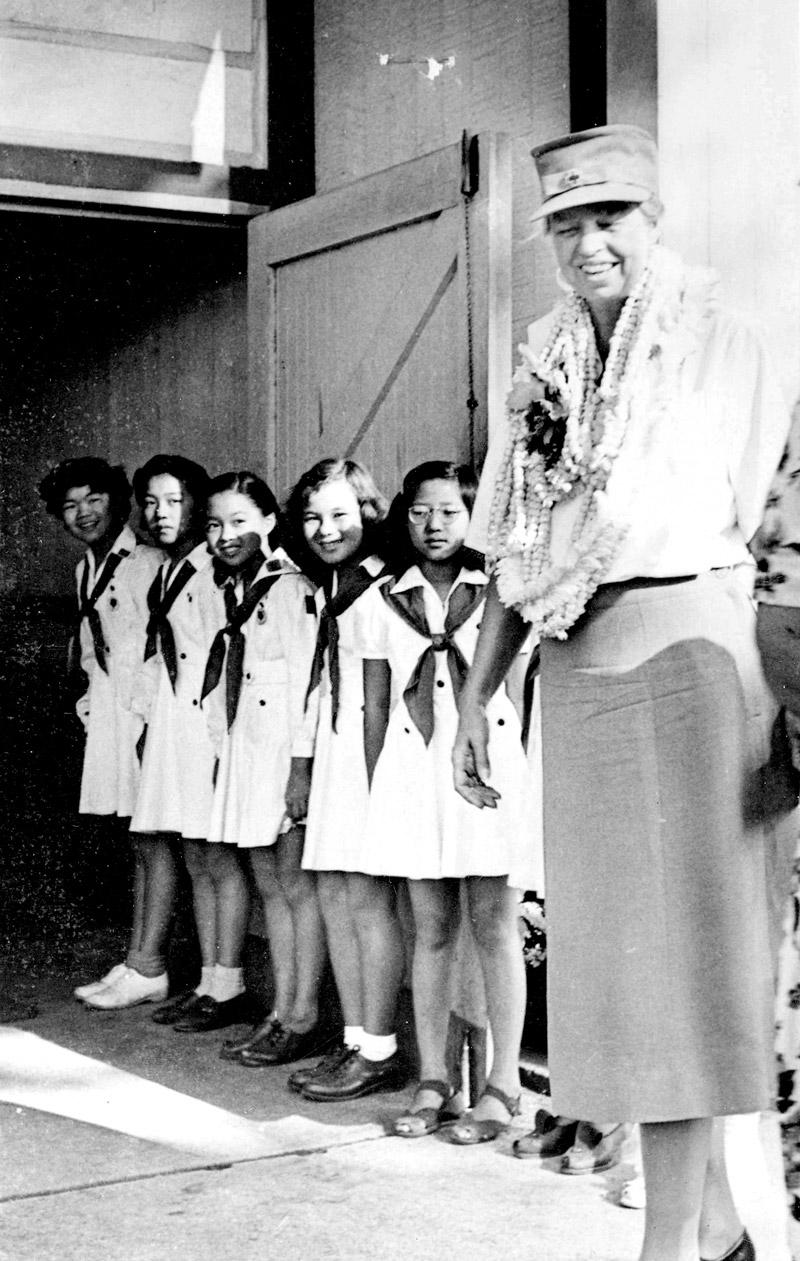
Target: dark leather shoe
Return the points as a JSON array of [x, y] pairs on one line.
[[593, 1150], [552, 1136], [331, 1059], [742, 1250], [210, 1014], [280, 1046], [233, 1047], [355, 1076], [175, 1008]]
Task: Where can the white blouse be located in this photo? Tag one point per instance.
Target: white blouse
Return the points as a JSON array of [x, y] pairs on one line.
[[694, 485]]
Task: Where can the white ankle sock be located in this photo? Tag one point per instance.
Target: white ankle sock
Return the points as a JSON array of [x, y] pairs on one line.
[[353, 1035], [227, 983], [206, 981], [378, 1047]]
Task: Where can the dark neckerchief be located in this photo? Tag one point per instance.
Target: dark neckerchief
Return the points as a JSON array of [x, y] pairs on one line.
[[87, 602], [231, 655], [355, 582], [410, 606], [159, 628]]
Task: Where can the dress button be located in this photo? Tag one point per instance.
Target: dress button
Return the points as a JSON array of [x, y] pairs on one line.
[[501, 722], [407, 730], [440, 682], [262, 702], [248, 676], [195, 702], [183, 656], [113, 602]]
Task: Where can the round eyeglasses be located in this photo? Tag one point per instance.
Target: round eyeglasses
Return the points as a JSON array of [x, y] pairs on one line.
[[421, 514]]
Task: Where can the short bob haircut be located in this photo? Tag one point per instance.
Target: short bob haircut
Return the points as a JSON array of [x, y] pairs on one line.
[[192, 477], [87, 470], [257, 491], [402, 555], [372, 504]]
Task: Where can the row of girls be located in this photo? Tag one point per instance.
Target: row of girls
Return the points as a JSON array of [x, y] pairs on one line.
[[280, 691]]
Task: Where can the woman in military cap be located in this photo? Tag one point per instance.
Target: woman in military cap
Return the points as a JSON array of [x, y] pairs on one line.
[[644, 427]]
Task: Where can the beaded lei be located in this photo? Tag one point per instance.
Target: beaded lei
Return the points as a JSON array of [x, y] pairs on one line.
[[596, 406]]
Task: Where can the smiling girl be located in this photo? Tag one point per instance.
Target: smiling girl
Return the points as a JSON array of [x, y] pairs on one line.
[[92, 500], [335, 511], [255, 681]]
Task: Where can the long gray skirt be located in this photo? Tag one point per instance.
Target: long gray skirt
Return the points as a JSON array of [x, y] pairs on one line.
[[669, 832]]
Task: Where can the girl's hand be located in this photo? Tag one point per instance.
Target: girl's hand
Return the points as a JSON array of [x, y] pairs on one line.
[[82, 710], [471, 770], [298, 788]]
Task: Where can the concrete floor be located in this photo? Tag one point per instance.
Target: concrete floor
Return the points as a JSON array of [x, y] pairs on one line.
[[331, 1184]]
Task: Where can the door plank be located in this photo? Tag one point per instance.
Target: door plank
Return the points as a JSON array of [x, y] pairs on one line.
[[405, 194]]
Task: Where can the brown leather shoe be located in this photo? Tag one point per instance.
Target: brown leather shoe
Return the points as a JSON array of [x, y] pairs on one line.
[[356, 1076]]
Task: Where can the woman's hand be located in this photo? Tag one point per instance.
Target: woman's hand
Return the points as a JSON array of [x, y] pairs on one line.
[[298, 788], [471, 770]]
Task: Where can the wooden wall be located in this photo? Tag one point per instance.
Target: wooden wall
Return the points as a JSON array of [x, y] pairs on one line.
[[121, 340], [510, 74]]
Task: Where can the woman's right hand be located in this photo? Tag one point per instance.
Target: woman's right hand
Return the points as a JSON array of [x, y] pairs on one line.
[[471, 770]]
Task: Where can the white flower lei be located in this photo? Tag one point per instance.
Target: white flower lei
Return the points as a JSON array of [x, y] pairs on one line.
[[657, 327]]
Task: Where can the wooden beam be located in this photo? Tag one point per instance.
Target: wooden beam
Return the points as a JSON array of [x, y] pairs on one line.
[[262, 352], [632, 63], [412, 191], [160, 49]]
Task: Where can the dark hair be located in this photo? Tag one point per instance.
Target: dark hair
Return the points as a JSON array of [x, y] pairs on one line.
[[372, 505], [87, 470], [191, 476], [256, 490], [401, 552]]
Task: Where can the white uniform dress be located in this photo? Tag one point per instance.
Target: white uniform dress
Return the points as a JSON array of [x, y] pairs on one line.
[[417, 824], [272, 724], [177, 787], [337, 808], [110, 778]]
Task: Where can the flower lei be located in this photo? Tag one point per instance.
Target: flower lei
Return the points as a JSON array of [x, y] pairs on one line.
[[566, 432]]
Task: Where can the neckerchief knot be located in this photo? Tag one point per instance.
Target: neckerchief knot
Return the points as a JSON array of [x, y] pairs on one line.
[[354, 583], [409, 605]]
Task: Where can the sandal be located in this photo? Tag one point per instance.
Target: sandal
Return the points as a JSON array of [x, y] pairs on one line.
[[476, 1131], [428, 1120]]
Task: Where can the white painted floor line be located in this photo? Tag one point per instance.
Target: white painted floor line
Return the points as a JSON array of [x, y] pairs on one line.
[[35, 1073]]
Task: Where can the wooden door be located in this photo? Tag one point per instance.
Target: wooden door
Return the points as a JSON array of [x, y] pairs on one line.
[[380, 317]]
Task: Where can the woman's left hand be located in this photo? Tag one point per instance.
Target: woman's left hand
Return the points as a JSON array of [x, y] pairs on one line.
[[298, 788], [471, 770]]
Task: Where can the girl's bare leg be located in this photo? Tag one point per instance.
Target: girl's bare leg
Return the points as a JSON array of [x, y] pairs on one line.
[[279, 928], [493, 915], [203, 900], [380, 946], [310, 952], [139, 887], [159, 888], [232, 899], [342, 944], [436, 907]]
